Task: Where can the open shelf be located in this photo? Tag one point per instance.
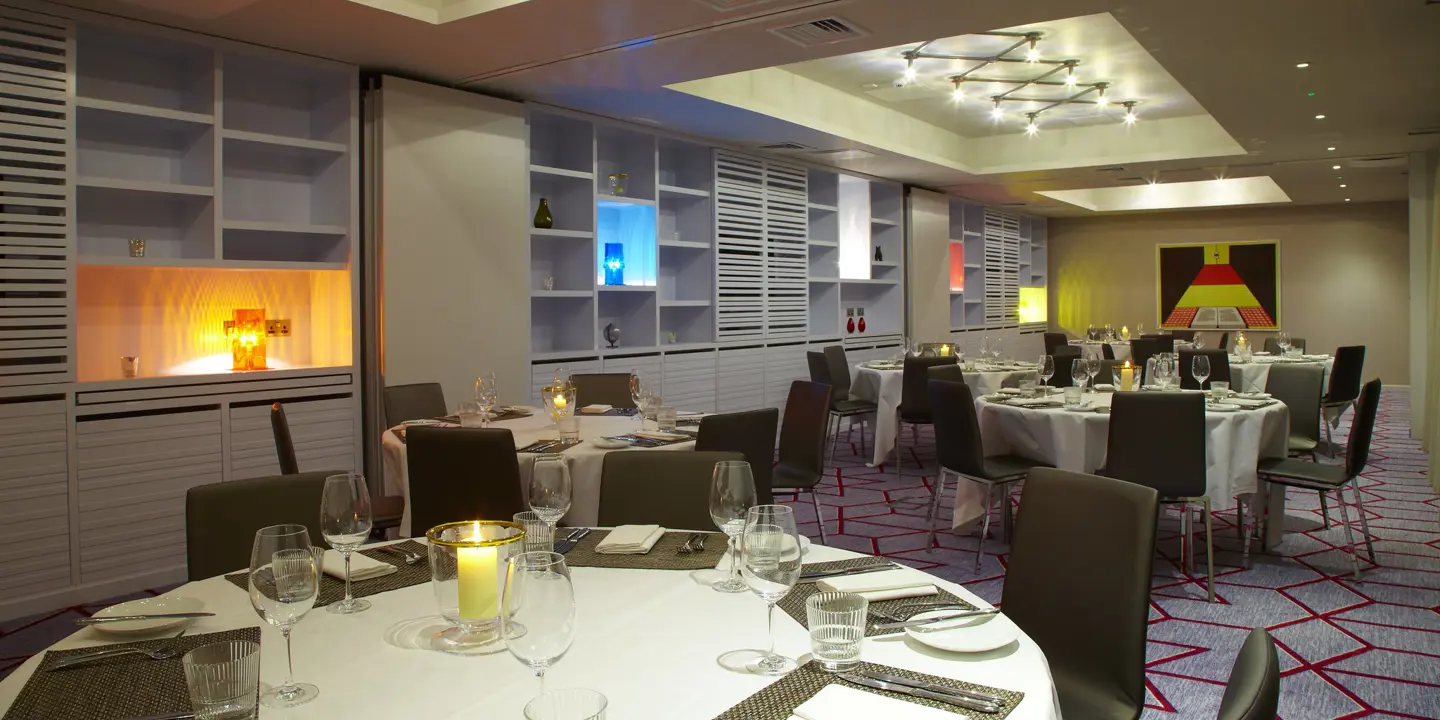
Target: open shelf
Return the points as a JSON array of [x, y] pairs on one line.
[[625, 232], [286, 103], [279, 184], [824, 192], [685, 218], [625, 288], [562, 324], [685, 168], [887, 203], [635, 313], [239, 138], [691, 323], [285, 244], [562, 293], [675, 190], [560, 143], [163, 188], [619, 150], [565, 259], [114, 107], [883, 305], [684, 303], [882, 221], [571, 200], [172, 225], [143, 152], [138, 72], [685, 244], [553, 233], [824, 261], [562, 172], [824, 308]]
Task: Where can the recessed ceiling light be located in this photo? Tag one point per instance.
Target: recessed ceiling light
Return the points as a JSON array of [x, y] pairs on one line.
[[1344, 185], [1347, 199], [1331, 149], [1334, 167], [1302, 65], [1319, 117]]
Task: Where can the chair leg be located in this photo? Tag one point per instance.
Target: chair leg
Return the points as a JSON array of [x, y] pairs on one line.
[[1187, 565], [1240, 516], [935, 508], [815, 500], [899, 447], [1324, 509], [1364, 522], [1349, 535], [1329, 441], [1209, 547], [1245, 531], [984, 530]]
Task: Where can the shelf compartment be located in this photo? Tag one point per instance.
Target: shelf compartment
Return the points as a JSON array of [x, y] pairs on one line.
[[825, 308], [619, 150], [685, 218], [685, 244], [279, 184], [144, 70], [632, 228], [562, 293], [824, 189], [564, 258], [686, 275], [684, 303], [562, 172], [571, 200], [562, 324], [143, 149], [172, 225], [286, 100], [883, 305], [685, 167], [284, 246], [240, 138], [553, 233], [111, 108], [636, 315], [824, 261], [690, 323], [562, 142], [887, 203], [164, 188]]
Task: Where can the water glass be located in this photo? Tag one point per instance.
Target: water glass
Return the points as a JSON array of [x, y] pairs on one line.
[[837, 627], [284, 582], [770, 565], [550, 488], [1072, 396], [732, 494], [1079, 372], [1219, 389], [538, 537], [665, 419], [569, 427], [223, 679], [1027, 388], [567, 704], [470, 413], [345, 523], [538, 610]]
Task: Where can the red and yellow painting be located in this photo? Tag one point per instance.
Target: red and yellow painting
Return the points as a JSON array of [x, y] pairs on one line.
[[1220, 286]]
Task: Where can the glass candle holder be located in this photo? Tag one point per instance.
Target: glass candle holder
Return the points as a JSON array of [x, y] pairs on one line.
[[467, 566], [559, 401], [129, 366]]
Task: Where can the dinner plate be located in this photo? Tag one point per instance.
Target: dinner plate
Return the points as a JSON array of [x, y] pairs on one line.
[[605, 443], [423, 421], [1222, 407], [148, 606], [965, 635]]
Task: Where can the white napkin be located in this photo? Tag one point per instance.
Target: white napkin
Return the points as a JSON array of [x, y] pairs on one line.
[[596, 409], [885, 585], [842, 702], [1010, 391], [361, 567], [1248, 403], [630, 540]]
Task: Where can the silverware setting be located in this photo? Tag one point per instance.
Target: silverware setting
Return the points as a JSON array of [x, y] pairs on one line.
[[918, 607], [410, 557], [939, 618], [688, 548], [572, 539], [921, 690], [859, 570], [933, 687], [154, 616], [163, 652]]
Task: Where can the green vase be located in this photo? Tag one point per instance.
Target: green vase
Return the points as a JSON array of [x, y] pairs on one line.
[[543, 220]]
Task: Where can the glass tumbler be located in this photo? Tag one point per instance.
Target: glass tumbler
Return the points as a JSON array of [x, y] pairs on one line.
[[223, 679], [567, 704], [665, 418], [1072, 396], [569, 427], [837, 627], [538, 537], [470, 414]]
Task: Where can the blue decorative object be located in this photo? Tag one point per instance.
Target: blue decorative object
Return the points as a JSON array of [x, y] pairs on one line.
[[614, 263]]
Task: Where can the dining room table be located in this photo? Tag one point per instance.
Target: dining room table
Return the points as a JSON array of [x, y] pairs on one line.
[[586, 460], [647, 639], [1251, 375], [881, 382], [1119, 348]]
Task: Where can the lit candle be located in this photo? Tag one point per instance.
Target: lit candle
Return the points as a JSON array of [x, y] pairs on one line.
[[478, 579], [1127, 376], [944, 351], [560, 401], [1125, 332]]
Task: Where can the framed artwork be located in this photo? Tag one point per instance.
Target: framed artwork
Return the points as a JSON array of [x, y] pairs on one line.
[[1219, 286]]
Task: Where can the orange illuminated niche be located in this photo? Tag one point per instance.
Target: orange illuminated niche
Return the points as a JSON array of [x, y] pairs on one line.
[[246, 333]]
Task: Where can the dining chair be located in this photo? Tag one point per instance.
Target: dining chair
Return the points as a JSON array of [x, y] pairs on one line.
[[461, 473], [1325, 477], [1219, 367], [611, 389], [1186, 335], [750, 433], [1272, 345], [1299, 387], [657, 487], [413, 402], [1055, 340], [802, 444], [914, 408], [1158, 440], [221, 518], [841, 404], [1107, 352], [284, 445], [1107, 371], [960, 451], [1144, 348], [1081, 589], [949, 372], [1064, 357], [1345, 374], [1253, 691], [1224, 343]]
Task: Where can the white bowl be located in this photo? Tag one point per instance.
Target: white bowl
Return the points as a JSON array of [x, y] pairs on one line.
[[148, 606], [965, 635]]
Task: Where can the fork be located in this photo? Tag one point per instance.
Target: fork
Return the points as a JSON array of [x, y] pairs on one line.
[[164, 652], [410, 557], [925, 607], [687, 548]]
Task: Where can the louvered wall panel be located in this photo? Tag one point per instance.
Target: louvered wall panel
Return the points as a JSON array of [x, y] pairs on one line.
[[690, 381], [542, 374], [739, 247], [650, 367], [739, 379], [787, 258], [323, 432], [34, 497], [1002, 268], [37, 243]]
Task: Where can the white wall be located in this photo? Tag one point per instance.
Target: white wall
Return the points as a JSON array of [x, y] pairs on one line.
[[454, 240], [928, 267]]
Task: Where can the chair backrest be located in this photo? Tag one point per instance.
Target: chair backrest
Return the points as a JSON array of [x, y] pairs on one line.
[[1362, 429], [1299, 386], [1253, 691], [750, 433], [957, 428], [413, 402], [1224, 343], [819, 371], [1064, 356], [1157, 439], [1345, 374], [1107, 367], [839, 373], [461, 474], [284, 445], [611, 389], [1145, 348], [949, 372], [1219, 367], [221, 518], [914, 396], [1055, 340], [803, 431], [1063, 565], [659, 487], [1186, 335]]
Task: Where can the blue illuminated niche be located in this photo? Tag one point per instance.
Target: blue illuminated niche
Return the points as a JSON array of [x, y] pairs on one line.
[[626, 250]]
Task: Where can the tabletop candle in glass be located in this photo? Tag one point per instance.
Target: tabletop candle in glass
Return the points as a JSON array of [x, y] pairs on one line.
[[559, 401], [467, 560]]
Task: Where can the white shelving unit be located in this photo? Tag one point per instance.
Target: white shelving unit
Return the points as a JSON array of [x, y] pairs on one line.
[[1000, 253]]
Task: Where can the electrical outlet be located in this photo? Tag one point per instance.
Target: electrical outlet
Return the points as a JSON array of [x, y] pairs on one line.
[[277, 328]]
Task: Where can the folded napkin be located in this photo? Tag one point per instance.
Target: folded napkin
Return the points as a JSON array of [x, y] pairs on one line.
[[361, 567], [884, 585], [630, 540], [1247, 403], [1316, 357], [1105, 387], [842, 702], [596, 409], [1010, 391]]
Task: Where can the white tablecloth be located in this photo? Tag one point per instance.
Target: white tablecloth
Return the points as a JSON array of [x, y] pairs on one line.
[[586, 460], [647, 639], [1120, 348], [1252, 376], [883, 387]]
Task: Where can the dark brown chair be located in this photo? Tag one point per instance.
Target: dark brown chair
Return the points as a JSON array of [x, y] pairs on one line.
[[1345, 374], [750, 433], [1299, 386], [461, 474], [1253, 691], [1063, 565], [1143, 349], [666, 488], [950, 372], [802, 444], [1219, 368], [1158, 440], [221, 518], [1186, 335], [1224, 342], [841, 405], [914, 408], [611, 389], [284, 445], [413, 402], [1064, 358], [1107, 352], [960, 450], [1054, 341], [1107, 371]]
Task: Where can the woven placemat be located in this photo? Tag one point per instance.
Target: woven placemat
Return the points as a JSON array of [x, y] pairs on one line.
[[128, 686], [794, 603], [333, 589], [664, 556], [778, 700]]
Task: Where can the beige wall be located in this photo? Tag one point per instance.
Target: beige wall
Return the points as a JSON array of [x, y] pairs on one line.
[[1344, 275], [928, 266]]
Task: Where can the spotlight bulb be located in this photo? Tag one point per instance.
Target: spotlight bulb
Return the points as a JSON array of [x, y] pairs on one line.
[[1032, 54], [1031, 128], [1130, 117], [959, 94], [996, 113], [910, 72], [1070, 80]]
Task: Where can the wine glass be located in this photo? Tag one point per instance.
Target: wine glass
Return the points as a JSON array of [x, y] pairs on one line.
[[1199, 341], [1283, 340], [486, 394], [1079, 371], [345, 523], [732, 494], [284, 583], [770, 548], [537, 611], [637, 395], [1200, 369], [550, 489], [1046, 368], [1092, 368]]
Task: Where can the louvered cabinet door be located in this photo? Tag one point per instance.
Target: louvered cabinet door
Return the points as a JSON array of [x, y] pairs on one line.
[[34, 497], [323, 431], [690, 381], [784, 364], [739, 247], [739, 379], [37, 244], [787, 254], [1002, 268]]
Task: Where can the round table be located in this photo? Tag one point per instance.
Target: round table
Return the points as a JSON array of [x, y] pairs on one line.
[[882, 386], [586, 460], [1120, 348], [1252, 376], [647, 639]]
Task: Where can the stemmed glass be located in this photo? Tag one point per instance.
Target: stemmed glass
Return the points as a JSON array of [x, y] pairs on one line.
[[345, 523], [732, 494], [1046, 368], [550, 489], [1283, 340], [1199, 341], [770, 547], [284, 582], [1092, 368], [538, 610], [637, 396], [1079, 371], [1200, 369], [486, 394]]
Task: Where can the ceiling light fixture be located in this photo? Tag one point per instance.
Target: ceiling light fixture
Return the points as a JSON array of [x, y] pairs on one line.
[[1319, 117], [1033, 54], [1347, 199], [996, 113], [1344, 185], [1031, 128], [1070, 78], [1302, 65], [959, 94], [909, 75], [1334, 167], [1130, 117], [1331, 149], [1100, 100]]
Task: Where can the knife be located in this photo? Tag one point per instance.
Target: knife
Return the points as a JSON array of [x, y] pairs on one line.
[[156, 616], [938, 618], [956, 700], [569, 543], [932, 687], [821, 574]]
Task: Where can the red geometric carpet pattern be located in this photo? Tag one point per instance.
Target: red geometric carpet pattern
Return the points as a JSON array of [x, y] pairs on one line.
[[1347, 650]]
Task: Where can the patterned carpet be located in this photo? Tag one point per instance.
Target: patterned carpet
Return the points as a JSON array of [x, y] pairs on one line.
[[1348, 650]]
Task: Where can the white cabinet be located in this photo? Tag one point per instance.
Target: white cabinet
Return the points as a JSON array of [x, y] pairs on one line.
[[690, 381], [323, 431], [650, 367], [784, 364], [34, 497], [739, 379]]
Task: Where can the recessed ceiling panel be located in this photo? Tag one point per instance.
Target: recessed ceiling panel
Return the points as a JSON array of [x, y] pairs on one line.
[[1165, 196]]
